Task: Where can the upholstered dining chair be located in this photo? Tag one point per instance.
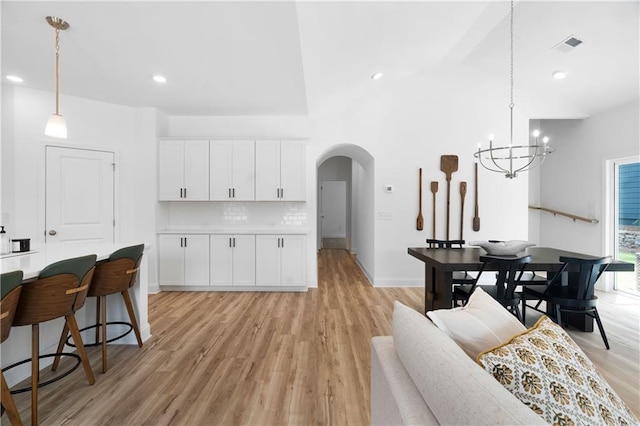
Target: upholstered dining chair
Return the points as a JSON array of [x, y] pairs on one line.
[[509, 268], [115, 275], [59, 291], [575, 297], [10, 286]]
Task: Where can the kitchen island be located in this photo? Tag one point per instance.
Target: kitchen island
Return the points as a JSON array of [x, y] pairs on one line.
[[18, 346]]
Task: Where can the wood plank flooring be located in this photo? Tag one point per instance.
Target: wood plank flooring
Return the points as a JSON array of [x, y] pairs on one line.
[[274, 358]]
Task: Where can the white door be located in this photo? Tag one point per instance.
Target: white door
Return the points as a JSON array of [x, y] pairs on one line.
[[333, 204], [196, 259], [244, 260], [196, 170], [170, 170], [293, 263], [221, 260], [79, 193], [170, 260], [268, 260], [292, 170], [267, 170], [244, 176], [220, 170]]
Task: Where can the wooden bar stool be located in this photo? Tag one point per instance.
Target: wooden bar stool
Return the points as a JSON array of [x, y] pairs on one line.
[[60, 290], [10, 284], [115, 275]]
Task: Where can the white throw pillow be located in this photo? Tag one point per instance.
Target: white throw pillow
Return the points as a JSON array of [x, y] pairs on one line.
[[480, 325]]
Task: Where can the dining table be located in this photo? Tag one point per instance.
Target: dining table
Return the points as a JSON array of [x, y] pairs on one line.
[[440, 264]]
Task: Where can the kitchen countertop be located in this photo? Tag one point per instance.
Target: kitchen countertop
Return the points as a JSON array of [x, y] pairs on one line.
[[43, 254], [237, 231]]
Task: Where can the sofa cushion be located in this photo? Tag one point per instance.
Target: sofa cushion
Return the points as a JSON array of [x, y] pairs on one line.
[[547, 371], [455, 388], [482, 324]]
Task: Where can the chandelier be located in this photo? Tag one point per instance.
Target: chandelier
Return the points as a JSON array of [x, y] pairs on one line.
[[512, 159], [56, 125]]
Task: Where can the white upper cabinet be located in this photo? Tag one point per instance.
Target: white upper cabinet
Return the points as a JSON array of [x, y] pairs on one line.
[[232, 170], [280, 170], [183, 170]]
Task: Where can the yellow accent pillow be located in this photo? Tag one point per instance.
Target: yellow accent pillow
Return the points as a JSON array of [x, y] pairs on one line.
[[548, 372]]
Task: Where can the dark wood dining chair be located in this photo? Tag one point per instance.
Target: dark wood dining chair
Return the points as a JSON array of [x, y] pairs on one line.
[[509, 268], [59, 291], [115, 275], [575, 297], [10, 286]]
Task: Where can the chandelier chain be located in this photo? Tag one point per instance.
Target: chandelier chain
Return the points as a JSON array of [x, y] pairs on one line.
[[511, 56]]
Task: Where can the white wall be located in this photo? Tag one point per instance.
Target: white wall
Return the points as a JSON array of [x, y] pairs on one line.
[[410, 123], [572, 179]]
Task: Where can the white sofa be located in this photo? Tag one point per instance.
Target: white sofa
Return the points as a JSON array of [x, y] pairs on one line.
[[421, 376]]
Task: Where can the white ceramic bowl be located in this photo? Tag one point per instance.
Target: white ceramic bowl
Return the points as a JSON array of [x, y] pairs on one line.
[[503, 248]]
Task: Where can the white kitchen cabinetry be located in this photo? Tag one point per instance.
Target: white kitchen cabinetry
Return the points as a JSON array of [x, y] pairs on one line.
[[232, 170], [183, 260], [183, 170], [233, 260], [280, 170], [281, 260]]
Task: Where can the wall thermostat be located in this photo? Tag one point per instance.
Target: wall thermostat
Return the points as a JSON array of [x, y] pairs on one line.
[[388, 188]]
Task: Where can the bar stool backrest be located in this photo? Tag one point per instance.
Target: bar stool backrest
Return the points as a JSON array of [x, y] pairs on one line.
[[10, 284], [118, 273], [61, 289]]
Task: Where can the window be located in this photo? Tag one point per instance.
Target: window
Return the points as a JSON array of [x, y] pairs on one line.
[[627, 221]]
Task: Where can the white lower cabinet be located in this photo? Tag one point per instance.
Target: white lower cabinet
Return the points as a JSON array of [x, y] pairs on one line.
[[233, 260], [281, 260], [183, 260]]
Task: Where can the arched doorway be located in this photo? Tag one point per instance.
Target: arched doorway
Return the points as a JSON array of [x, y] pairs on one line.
[[350, 166]]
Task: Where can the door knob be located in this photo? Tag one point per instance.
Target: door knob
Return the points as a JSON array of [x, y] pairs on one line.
[[52, 232]]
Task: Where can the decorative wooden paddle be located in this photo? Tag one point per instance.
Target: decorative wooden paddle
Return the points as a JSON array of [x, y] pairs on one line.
[[476, 218], [463, 192], [420, 221], [434, 189], [448, 164]]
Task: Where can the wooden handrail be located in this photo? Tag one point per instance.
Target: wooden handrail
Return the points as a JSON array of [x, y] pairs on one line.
[[569, 215]]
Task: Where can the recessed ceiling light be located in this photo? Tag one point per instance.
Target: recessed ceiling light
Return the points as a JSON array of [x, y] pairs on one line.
[[559, 75], [159, 78], [15, 79], [376, 76]]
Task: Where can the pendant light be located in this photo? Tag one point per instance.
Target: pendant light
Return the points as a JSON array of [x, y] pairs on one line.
[[513, 159], [57, 126]]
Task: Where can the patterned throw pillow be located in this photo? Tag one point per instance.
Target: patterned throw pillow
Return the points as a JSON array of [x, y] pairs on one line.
[[548, 372]]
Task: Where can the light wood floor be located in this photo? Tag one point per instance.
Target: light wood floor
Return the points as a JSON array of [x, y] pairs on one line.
[[275, 358]]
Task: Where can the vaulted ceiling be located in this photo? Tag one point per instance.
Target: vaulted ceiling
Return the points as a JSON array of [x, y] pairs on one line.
[[290, 58]]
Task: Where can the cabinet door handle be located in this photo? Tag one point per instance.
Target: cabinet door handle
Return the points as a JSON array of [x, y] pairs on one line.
[[185, 241], [281, 192], [180, 192], [233, 191], [283, 243], [181, 242], [234, 242], [229, 242], [278, 242], [229, 192], [185, 196]]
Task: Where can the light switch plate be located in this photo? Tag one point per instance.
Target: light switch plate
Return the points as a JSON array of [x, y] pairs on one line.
[[385, 216]]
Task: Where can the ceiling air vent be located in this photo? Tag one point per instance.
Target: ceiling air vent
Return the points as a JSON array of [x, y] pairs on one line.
[[568, 44]]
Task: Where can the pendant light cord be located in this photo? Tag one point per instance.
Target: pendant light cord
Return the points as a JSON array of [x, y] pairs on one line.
[[57, 71], [511, 104]]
